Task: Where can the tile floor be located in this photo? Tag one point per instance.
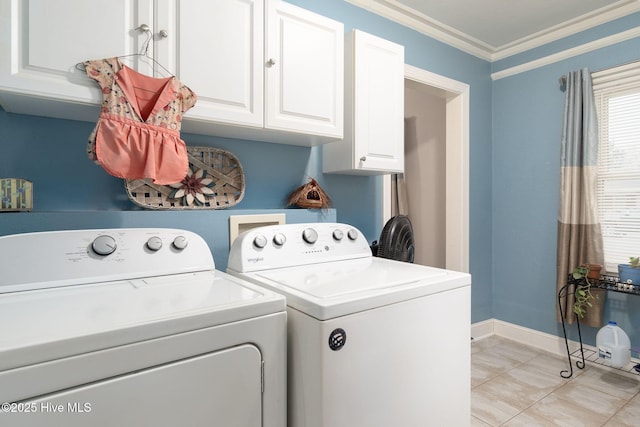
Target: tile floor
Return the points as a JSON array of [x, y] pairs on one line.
[[516, 385]]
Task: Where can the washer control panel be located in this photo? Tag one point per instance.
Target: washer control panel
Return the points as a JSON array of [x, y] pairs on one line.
[[285, 245], [70, 257]]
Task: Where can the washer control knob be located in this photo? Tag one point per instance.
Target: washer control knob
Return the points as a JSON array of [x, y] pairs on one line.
[[154, 243], [279, 239], [260, 241], [104, 245], [310, 235], [180, 242], [353, 234], [338, 235]]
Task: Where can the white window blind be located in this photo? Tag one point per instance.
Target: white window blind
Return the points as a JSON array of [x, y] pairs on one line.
[[617, 95]]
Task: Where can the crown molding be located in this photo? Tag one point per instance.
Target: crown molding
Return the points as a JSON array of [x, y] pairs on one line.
[[569, 53], [393, 10], [415, 20]]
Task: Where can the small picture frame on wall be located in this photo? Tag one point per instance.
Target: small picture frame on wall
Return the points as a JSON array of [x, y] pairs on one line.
[[16, 195]]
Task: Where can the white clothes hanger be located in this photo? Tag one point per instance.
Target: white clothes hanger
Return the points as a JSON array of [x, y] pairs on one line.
[[145, 51]]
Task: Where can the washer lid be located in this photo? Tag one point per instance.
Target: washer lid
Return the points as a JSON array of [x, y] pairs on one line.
[[48, 324], [333, 289]]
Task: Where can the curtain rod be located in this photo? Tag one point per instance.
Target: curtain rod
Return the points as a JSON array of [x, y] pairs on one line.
[[562, 81]]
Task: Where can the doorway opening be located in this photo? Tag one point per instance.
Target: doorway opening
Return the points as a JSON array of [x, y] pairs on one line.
[[453, 243]]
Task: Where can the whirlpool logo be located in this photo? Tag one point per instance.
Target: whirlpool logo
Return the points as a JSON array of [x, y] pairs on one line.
[[256, 259]]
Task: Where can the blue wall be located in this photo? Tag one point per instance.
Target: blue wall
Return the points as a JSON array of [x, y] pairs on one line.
[[527, 120]]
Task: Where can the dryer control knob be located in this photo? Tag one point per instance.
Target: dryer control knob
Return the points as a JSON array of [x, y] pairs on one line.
[[260, 241], [353, 234], [154, 243], [310, 235], [104, 245], [279, 239], [180, 242], [338, 235]]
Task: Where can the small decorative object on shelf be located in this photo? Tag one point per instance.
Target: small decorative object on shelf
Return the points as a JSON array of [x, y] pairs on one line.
[[215, 180], [630, 273], [16, 195], [309, 195], [195, 188], [594, 271]]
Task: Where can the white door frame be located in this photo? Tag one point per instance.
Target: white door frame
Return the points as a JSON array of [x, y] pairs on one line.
[[456, 95]]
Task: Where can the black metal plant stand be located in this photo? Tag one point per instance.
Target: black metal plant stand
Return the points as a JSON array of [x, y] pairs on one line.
[[562, 293], [608, 283]]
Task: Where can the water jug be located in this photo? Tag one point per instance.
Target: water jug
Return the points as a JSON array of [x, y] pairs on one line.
[[613, 345]]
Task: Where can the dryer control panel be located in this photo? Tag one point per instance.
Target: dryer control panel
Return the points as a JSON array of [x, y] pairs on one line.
[[72, 257], [287, 245]]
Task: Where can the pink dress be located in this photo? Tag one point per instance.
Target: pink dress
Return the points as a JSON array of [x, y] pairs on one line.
[[138, 132]]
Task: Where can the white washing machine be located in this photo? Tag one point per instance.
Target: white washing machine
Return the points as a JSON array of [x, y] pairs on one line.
[[371, 341], [135, 327]]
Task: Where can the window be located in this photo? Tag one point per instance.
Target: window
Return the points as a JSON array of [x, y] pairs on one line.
[[617, 95]]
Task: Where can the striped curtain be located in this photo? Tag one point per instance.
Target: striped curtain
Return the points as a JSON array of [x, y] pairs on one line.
[[579, 235]]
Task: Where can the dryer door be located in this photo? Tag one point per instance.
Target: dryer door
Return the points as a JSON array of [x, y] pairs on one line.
[[221, 388]]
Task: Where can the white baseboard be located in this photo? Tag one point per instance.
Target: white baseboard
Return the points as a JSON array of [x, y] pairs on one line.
[[537, 339], [482, 329]]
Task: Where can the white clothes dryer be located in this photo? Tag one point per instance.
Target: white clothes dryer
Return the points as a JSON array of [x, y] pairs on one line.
[[371, 341], [135, 327]]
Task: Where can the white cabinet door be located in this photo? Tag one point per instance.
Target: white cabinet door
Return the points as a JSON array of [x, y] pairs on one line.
[[374, 102], [304, 71], [217, 48], [43, 40], [378, 127]]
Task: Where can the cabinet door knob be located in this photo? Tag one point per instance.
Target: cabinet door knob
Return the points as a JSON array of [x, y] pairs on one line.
[[271, 62], [363, 158], [164, 34]]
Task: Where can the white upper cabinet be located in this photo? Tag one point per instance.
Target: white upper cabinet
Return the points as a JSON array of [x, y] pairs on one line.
[[373, 141], [262, 69], [305, 71]]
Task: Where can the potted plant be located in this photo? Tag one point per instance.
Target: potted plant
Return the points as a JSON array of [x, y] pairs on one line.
[[594, 271], [630, 273], [583, 295]]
